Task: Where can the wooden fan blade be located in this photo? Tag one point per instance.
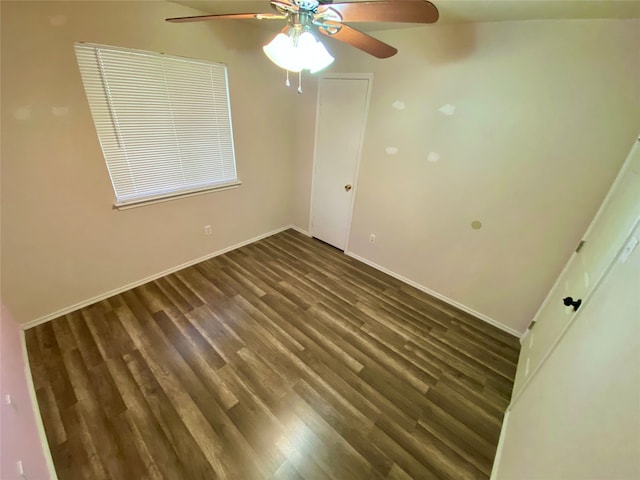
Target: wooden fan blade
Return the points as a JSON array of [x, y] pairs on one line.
[[360, 40], [410, 11], [230, 16]]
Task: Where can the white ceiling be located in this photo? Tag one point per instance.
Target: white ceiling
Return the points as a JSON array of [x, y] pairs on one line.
[[462, 11]]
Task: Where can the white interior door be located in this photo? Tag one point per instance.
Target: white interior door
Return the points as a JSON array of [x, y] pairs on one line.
[[340, 124], [603, 239], [579, 417]]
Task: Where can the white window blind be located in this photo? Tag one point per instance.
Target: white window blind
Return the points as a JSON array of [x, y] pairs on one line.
[[164, 122]]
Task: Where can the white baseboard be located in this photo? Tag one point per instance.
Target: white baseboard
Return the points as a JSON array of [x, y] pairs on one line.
[[300, 230], [105, 295], [116, 291], [524, 336], [439, 296], [498, 456], [36, 410]]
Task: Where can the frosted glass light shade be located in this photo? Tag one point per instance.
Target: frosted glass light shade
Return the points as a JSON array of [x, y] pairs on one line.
[[321, 58], [281, 51], [295, 54]]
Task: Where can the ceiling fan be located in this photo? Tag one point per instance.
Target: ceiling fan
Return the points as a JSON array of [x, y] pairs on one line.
[[295, 48]]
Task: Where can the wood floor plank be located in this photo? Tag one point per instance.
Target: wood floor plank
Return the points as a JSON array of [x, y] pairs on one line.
[[456, 445], [36, 359], [432, 453], [463, 409], [115, 453], [352, 429], [189, 296], [193, 459], [79, 324], [338, 456], [374, 349], [52, 421], [407, 462], [284, 359], [220, 336], [83, 460], [396, 473], [141, 419], [364, 396], [267, 327], [286, 471], [57, 375], [195, 406], [64, 335]]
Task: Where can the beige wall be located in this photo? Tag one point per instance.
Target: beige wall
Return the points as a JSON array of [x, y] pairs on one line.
[[62, 243], [546, 112]]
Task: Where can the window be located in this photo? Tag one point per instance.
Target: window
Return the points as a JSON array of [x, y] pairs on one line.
[[163, 122]]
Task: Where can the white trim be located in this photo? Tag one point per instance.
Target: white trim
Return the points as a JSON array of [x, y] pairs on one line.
[[313, 163], [116, 291], [498, 456], [300, 230], [356, 173], [625, 166], [36, 410], [614, 186], [174, 196], [439, 296], [103, 296]]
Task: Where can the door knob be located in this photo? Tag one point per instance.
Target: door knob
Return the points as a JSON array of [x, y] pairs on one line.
[[570, 302], [347, 187]]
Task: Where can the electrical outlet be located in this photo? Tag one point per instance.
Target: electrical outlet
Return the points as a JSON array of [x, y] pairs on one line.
[[20, 468], [7, 399], [207, 230], [372, 238]]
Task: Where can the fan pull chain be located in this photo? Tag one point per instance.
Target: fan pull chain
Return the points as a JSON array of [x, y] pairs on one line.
[[300, 82], [287, 83]]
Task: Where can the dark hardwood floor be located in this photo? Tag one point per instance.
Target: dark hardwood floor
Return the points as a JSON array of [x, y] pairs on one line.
[[284, 359]]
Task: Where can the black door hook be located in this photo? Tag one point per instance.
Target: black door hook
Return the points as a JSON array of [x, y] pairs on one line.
[[570, 302]]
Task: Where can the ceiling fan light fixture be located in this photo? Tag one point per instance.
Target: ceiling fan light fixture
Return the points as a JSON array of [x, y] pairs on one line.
[[332, 18], [298, 51]]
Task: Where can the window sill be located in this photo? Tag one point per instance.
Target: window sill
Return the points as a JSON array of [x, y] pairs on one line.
[[151, 201]]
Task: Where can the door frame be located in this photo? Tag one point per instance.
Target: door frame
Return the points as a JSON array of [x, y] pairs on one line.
[[363, 126]]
